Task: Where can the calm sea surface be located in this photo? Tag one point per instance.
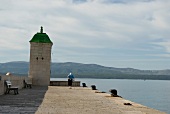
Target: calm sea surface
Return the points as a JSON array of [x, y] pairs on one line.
[[152, 93]]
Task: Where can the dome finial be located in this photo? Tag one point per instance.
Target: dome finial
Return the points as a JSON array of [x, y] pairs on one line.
[[41, 31]]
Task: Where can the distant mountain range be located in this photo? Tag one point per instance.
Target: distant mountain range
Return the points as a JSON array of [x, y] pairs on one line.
[[61, 70]]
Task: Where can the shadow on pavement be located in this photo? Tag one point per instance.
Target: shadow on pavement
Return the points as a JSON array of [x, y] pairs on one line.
[[27, 101]]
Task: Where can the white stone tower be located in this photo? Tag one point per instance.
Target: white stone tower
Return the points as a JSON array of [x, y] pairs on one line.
[[40, 59]]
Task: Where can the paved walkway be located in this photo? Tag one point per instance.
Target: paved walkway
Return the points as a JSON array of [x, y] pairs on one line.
[[26, 102], [62, 100]]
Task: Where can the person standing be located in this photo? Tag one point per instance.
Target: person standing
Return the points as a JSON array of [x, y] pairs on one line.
[[70, 80]]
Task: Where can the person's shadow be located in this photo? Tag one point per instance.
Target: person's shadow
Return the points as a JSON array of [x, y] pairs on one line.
[[27, 101]]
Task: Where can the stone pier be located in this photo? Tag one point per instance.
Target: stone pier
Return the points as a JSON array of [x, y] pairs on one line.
[[62, 100]]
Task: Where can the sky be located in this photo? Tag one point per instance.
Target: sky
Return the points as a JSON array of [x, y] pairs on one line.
[[113, 33]]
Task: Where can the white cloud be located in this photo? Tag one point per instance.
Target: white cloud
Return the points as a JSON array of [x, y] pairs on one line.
[[88, 27], [166, 45]]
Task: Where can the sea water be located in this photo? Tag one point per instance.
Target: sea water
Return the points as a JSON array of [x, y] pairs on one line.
[[152, 93]]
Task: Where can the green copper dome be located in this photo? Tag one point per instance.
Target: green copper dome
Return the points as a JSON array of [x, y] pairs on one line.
[[41, 37]]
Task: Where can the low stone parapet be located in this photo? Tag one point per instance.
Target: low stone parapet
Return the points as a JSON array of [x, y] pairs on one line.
[[64, 83]]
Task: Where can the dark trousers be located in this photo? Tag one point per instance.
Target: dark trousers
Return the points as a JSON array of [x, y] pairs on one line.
[[70, 82]]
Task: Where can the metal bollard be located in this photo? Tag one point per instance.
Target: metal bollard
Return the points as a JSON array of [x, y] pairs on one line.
[[93, 87], [113, 93], [84, 84]]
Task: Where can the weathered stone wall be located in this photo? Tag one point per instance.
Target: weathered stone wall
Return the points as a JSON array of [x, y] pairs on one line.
[[64, 83], [15, 80], [40, 63]]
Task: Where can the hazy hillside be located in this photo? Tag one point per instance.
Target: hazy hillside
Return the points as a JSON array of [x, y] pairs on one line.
[[18, 67], [87, 71]]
